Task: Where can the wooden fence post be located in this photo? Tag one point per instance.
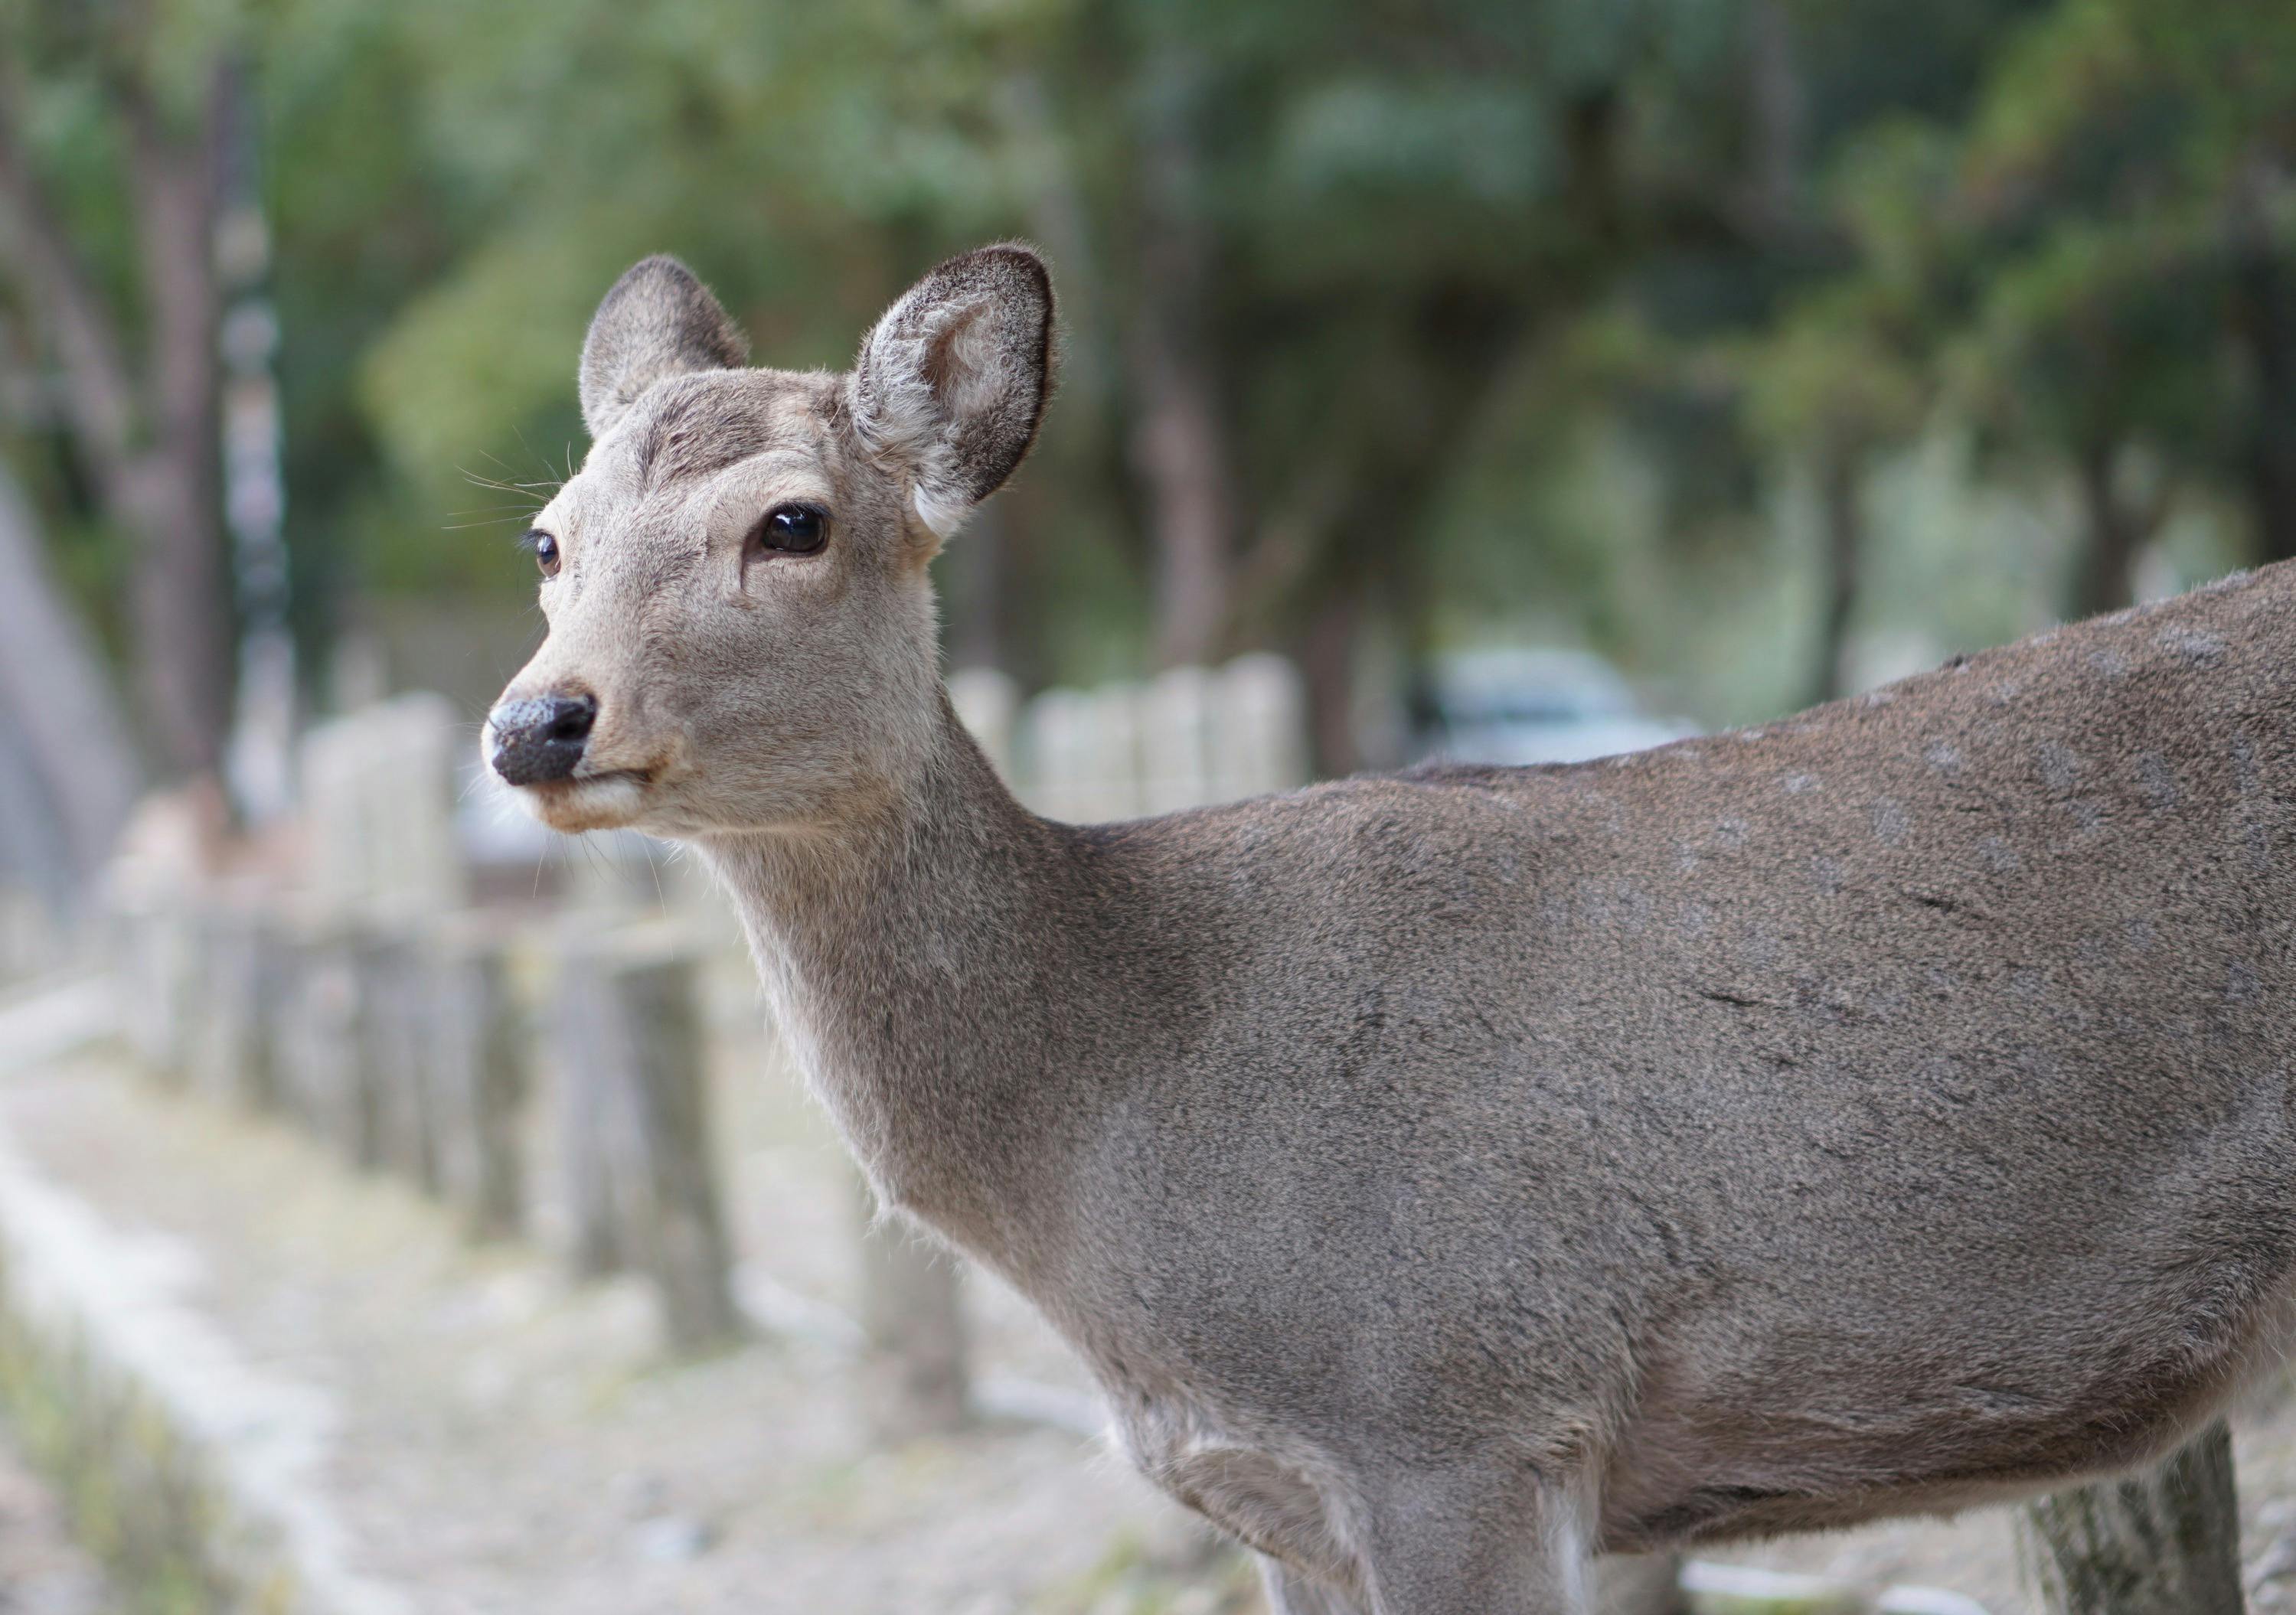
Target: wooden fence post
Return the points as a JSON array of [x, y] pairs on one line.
[[377, 788], [1640, 1584], [1057, 729], [476, 1053], [393, 1027], [1177, 718], [586, 1037], [233, 1027], [633, 1103], [988, 704], [2164, 1542], [1114, 754], [330, 1085], [1259, 742], [916, 1378], [159, 966]]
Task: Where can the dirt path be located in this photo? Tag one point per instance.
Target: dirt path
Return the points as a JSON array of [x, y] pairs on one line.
[[503, 1440]]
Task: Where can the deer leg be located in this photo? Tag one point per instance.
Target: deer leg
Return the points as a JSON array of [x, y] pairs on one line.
[[1289, 1593], [1455, 1544]]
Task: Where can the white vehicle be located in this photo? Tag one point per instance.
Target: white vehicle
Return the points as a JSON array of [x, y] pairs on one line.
[[1516, 706]]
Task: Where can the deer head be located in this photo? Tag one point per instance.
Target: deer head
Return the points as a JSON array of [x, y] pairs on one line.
[[740, 623]]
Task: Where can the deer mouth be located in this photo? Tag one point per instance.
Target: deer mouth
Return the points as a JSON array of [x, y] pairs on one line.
[[636, 776], [609, 798]]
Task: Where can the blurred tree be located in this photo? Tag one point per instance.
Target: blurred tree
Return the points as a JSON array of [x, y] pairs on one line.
[[1334, 277], [2126, 169], [1831, 388], [1180, 437], [1347, 227], [1789, 318], [1305, 250], [1843, 371], [114, 146], [2232, 67]]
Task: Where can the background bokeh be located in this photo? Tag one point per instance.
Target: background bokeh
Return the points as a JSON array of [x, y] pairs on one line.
[[1767, 348], [1530, 376]]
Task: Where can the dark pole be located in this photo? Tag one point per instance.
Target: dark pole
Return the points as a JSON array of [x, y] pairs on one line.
[[259, 762]]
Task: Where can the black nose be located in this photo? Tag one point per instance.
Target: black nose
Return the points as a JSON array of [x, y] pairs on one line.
[[541, 737]]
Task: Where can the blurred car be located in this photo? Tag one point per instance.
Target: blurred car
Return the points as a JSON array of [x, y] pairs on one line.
[[1517, 707]]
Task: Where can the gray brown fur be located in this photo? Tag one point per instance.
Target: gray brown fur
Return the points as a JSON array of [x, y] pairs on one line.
[[660, 322], [1452, 1175], [958, 449]]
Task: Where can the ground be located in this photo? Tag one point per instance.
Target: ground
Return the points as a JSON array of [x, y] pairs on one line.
[[43, 1571], [499, 1438]]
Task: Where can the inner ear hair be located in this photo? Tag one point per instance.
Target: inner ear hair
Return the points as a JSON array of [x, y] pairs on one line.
[[658, 321], [955, 377], [950, 385]]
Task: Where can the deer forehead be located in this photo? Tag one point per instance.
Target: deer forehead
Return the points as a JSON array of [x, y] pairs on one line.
[[692, 426], [723, 445]]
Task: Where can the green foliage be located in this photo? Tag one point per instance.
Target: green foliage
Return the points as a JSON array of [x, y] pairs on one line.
[[1513, 315]]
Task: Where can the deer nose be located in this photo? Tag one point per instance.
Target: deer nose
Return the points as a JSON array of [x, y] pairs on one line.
[[540, 738]]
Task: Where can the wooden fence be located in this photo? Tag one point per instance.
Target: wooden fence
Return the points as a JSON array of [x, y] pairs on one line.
[[372, 1003]]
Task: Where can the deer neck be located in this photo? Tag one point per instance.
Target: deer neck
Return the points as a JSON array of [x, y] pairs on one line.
[[912, 959]]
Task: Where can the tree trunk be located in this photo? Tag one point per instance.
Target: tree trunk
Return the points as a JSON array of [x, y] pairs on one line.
[[1327, 665], [1843, 512], [1179, 438], [181, 591], [1777, 108], [147, 431], [2265, 324], [918, 1374], [1059, 220], [2163, 1543], [2103, 576], [1319, 552]]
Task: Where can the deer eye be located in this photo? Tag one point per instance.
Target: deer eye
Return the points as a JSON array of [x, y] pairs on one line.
[[791, 530], [544, 548]]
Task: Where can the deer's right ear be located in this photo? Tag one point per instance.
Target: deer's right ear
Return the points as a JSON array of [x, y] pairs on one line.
[[950, 386], [657, 322]]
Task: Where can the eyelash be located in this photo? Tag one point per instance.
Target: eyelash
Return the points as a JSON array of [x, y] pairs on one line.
[[544, 547]]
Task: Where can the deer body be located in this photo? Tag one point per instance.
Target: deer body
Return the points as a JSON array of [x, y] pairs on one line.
[[1453, 1174]]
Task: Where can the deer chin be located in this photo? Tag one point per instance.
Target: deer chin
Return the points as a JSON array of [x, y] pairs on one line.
[[613, 800]]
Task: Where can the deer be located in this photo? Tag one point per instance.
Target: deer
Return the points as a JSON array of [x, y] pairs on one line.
[[1452, 1175]]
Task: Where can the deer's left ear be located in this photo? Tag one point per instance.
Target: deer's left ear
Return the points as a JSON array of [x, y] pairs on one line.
[[951, 384], [656, 322]]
